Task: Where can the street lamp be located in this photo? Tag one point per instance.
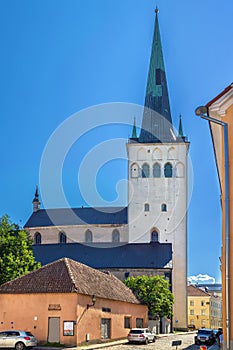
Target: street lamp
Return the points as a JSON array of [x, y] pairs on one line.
[[202, 111], [93, 302]]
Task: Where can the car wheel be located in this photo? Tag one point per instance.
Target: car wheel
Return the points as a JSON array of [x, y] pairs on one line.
[[146, 341], [19, 346], [153, 340]]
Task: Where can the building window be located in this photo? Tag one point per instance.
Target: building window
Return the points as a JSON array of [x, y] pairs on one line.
[[168, 170], [157, 154], [164, 207], [203, 323], [62, 237], [134, 170], [156, 170], [154, 236], [139, 322], [88, 236], [106, 309], [115, 236], [146, 207], [191, 303], [145, 170], [127, 322], [37, 238], [203, 312], [191, 312], [202, 303]]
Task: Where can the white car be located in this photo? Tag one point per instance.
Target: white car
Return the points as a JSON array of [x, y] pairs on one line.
[[141, 335], [19, 340]]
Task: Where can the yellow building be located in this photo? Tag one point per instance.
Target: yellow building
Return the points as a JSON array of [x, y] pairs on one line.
[[219, 112], [204, 309]]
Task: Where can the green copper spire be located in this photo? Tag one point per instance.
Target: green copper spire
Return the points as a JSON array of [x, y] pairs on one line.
[[156, 62], [180, 132], [157, 121], [134, 131]]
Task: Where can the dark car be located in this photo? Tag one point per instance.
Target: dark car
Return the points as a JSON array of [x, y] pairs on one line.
[[205, 336]]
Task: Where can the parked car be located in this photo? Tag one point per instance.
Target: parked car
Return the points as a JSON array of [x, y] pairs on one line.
[[191, 327], [141, 335], [19, 340], [205, 336]]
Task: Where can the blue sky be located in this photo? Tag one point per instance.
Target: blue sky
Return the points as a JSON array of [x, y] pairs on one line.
[[59, 57]]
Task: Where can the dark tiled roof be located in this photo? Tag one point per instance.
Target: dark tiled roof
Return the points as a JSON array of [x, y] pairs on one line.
[[142, 255], [196, 292], [67, 276], [78, 216]]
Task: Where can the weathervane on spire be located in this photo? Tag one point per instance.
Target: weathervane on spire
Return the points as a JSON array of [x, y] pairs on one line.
[[156, 10]]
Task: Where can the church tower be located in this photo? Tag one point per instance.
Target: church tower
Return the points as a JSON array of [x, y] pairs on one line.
[[157, 178]]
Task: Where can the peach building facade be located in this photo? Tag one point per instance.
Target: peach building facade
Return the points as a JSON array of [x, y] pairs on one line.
[[221, 108], [65, 313]]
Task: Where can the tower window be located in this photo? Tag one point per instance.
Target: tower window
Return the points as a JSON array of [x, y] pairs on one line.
[[115, 236], [134, 170], [168, 170], [145, 170], [62, 237], [164, 207], [154, 236], [37, 238], [88, 236], [146, 207], [156, 170]]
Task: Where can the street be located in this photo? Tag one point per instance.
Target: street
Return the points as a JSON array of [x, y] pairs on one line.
[[165, 343]]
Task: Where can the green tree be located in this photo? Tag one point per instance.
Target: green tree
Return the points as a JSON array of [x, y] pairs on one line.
[[16, 255], [154, 292]]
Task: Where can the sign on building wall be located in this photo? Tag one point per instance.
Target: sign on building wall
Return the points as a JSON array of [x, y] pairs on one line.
[[68, 328]]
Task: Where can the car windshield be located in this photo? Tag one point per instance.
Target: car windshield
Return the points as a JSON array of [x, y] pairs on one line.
[[136, 331], [204, 331]]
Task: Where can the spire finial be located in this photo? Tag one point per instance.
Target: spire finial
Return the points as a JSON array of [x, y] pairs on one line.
[[36, 201], [156, 10], [134, 131], [180, 132]]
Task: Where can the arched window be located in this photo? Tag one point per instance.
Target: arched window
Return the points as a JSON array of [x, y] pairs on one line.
[[141, 154], [88, 236], [37, 238], [145, 170], [168, 170], [115, 236], [171, 153], [146, 207], [62, 237], [154, 236], [179, 170], [156, 170], [157, 153], [164, 207], [134, 170]]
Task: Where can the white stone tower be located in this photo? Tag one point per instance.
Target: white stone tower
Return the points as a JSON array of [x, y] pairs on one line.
[[157, 174]]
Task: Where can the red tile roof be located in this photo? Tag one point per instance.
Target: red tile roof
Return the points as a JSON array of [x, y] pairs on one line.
[[229, 87], [196, 292], [67, 276]]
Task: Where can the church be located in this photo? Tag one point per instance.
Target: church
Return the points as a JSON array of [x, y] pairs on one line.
[[149, 235]]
